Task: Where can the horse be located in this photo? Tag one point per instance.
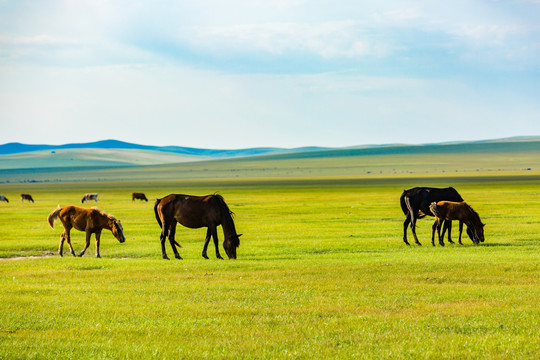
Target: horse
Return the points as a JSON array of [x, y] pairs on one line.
[[415, 205], [450, 210], [4, 198], [88, 197], [195, 212], [91, 221], [27, 197], [139, 196]]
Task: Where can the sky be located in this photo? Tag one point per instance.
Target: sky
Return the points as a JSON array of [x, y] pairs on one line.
[[229, 74]]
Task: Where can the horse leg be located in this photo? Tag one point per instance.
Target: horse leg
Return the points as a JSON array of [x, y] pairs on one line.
[[214, 235], [439, 224], [162, 238], [405, 225], [68, 239], [206, 242], [98, 236], [460, 231], [448, 226], [433, 229], [413, 229], [87, 243], [172, 233], [62, 239]]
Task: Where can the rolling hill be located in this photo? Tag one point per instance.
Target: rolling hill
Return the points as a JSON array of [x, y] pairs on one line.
[[91, 164]]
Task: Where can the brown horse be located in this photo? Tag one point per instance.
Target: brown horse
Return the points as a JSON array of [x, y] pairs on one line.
[[27, 197], [449, 210], [88, 197], [4, 198], [139, 196], [195, 212], [91, 221]]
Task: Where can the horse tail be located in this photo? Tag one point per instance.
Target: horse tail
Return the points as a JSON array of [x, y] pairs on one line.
[[435, 210], [403, 202], [53, 216], [156, 213]]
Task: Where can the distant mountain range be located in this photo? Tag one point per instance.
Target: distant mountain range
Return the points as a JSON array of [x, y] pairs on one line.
[[16, 148], [113, 153]]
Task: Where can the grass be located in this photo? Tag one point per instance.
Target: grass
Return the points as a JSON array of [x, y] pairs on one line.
[[322, 272]]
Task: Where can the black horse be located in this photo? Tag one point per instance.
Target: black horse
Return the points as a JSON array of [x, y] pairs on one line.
[[415, 205]]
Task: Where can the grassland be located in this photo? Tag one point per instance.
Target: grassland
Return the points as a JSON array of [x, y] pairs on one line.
[[322, 270]]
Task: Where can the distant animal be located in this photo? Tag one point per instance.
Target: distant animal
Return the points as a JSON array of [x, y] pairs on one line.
[[88, 197], [415, 205], [139, 196], [91, 221], [27, 197], [195, 212], [3, 198], [449, 210]]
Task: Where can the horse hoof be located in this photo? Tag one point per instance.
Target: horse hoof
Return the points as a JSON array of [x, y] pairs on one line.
[[204, 256], [165, 258]]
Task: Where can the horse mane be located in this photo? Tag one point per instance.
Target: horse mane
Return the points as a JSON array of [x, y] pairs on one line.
[[474, 216], [228, 216]]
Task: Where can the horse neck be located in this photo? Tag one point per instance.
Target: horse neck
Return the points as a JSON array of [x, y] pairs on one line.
[[107, 222], [227, 223]]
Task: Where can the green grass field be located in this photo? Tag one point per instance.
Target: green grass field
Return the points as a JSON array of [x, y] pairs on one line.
[[322, 272]]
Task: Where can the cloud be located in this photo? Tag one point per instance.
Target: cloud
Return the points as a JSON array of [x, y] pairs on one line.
[[326, 40]]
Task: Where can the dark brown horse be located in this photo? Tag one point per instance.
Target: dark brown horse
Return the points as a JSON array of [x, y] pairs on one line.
[[449, 210], [195, 212], [415, 205], [138, 196], [88, 197], [91, 221], [27, 197], [4, 198]]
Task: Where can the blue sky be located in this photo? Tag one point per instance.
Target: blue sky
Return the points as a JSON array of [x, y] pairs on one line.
[[236, 74]]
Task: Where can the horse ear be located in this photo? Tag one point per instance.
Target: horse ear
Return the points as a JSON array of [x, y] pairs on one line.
[[239, 235]]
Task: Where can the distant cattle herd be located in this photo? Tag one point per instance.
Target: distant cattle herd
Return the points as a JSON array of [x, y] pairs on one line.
[[210, 211]]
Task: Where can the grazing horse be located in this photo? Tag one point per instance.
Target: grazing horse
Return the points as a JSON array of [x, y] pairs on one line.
[[195, 212], [27, 197], [91, 221], [139, 196], [3, 198], [415, 205], [449, 210], [88, 197]]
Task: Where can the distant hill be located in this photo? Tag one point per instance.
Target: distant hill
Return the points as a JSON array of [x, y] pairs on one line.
[[16, 148], [114, 154], [99, 164]]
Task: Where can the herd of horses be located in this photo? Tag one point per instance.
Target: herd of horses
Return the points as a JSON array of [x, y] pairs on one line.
[[211, 211]]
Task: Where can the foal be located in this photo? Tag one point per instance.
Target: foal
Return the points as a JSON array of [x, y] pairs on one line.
[[91, 221], [449, 210]]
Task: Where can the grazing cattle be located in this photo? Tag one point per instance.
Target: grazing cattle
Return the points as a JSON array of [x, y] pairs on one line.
[[3, 198], [27, 197], [415, 204], [195, 212], [449, 210], [88, 197], [91, 221], [139, 196]]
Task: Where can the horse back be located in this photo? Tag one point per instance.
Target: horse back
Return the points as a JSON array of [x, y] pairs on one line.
[[81, 219], [190, 211]]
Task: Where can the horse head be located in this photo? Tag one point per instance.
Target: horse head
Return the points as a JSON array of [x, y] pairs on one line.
[[476, 233], [230, 244], [118, 231]]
